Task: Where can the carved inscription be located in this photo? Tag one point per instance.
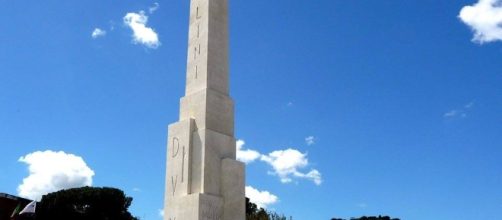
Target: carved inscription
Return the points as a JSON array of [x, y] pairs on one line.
[[176, 145], [197, 14], [210, 214], [174, 182], [197, 49], [183, 164], [210, 210], [175, 151]]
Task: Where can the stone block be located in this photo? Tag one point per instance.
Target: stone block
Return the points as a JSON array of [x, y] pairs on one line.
[[179, 151], [195, 207], [233, 183], [210, 109]]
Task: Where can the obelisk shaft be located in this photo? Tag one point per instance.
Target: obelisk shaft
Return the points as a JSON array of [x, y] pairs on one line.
[[207, 83], [203, 179], [207, 57]]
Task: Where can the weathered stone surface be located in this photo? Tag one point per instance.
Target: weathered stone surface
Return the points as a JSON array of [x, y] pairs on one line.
[[232, 182], [195, 206], [203, 178], [179, 162], [210, 109]]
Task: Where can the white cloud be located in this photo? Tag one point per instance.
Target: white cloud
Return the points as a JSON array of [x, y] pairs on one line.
[[261, 198], [154, 8], [246, 156], [485, 19], [51, 171], [286, 165], [313, 175], [161, 213], [310, 140], [461, 112], [136, 189], [98, 33], [141, 33], [451, 113], [455, 113]]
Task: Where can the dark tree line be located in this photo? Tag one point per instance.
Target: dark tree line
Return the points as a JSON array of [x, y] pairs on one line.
[[369, 218], [94, 203], [255, 213], [85, 203]]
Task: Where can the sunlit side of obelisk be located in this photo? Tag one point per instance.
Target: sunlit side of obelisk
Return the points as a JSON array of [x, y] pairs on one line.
[[203, 178]]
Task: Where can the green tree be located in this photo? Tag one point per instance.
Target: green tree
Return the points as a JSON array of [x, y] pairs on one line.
[[375, 218], [275, 216], [255, 213], [369, 218], [86, 203]]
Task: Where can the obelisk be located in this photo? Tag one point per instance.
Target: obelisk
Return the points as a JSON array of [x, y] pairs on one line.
[[203, 179]]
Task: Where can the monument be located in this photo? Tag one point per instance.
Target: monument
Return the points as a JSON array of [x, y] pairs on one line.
[[204, 181]]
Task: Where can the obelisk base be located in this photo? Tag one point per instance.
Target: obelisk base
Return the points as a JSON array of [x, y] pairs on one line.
[[196, 207]]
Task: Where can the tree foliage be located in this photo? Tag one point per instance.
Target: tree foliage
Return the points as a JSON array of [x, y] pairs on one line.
[[255, 213], [86, 203], [369, 218]]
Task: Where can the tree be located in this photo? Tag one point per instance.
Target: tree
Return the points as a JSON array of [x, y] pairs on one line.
[[255, 213], [275, 216], [369, 218], [86, 203], [374, 218]]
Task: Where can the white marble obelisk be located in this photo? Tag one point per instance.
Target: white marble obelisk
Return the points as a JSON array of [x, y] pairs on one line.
[[204, 181]]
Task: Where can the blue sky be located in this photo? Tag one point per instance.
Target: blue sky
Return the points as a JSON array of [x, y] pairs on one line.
[[402, 101]]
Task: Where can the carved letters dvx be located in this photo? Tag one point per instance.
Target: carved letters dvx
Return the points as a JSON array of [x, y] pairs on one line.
[[174, 154]]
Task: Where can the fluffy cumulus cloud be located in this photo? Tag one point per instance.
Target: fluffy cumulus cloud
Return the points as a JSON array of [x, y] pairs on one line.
[[51, 171], [246, 155], [142, 34], [98, 33], [287, 164], [313, 175], [485, 19], [261, 198]]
